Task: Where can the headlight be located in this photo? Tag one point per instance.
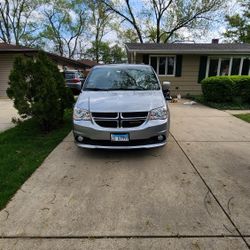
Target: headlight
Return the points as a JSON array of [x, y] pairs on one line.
[[81, 114], [159, 114]]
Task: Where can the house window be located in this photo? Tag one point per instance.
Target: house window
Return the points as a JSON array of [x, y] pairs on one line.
[[213, 67], [153, 62], [224, 66], [245, 67], [163, 65], [235, 66]]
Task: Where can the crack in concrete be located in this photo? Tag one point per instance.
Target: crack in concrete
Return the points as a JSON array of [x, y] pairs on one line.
[[210, 190]]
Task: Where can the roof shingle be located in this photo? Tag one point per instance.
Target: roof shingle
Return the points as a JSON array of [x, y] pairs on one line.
[[189, 47]]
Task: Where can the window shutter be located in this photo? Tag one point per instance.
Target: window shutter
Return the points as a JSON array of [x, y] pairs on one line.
[[203, 67], [145, 59], [178, 65]]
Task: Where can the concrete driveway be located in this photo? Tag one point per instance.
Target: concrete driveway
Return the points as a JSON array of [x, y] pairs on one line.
[[192, 194], [7, 112]]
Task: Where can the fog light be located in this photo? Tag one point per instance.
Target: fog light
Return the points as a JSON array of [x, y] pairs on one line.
[[79, 138], [160, 137]]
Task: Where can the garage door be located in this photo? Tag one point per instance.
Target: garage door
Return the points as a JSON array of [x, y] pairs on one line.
[[6, 62]]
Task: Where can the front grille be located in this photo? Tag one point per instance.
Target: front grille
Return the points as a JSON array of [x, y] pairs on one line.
[[119, 120], [134, 114], [107, 124], [104, 115], [131, 124]]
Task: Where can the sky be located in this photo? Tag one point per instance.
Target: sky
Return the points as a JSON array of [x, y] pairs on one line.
[[215, 30]]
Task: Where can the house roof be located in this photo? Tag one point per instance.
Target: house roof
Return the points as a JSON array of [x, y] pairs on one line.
[[88, 62], [10, 48], [189, 48], [5, 47]]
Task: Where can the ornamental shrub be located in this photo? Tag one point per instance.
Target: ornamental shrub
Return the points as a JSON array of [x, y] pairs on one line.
[[39, 91], [226, 89], [242, 87], [218, 89]]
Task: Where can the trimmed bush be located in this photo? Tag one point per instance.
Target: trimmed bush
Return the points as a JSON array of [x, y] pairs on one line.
[[226, 89], [242, 87], [38, 90], [218, 89]]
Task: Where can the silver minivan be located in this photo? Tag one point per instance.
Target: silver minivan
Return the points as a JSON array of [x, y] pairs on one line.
[[121, 107]]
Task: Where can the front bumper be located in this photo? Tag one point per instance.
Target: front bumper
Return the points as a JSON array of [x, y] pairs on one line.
[[144, 136]]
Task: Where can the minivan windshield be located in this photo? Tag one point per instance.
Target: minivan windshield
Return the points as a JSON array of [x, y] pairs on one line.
[[122, 78]]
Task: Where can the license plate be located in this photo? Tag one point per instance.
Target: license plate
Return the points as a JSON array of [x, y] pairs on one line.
[[119, 137]]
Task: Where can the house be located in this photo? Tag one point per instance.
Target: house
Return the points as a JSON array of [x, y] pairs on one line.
[[186, 64], [8, 53], [89, 63]]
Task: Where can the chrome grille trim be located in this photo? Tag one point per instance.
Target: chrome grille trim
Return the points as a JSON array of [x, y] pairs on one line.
[[121, 118]]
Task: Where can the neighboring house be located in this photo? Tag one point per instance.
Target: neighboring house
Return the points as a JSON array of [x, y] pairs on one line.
[[186, 64], [90, 64], [8, 53]]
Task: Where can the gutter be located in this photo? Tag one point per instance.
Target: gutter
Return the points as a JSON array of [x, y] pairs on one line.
[[189, 52]]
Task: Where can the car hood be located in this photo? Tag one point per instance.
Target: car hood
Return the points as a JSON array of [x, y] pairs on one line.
[[120, 101]]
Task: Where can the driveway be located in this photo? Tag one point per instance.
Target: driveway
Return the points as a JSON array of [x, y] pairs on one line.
[[7, 111], [192, 194]]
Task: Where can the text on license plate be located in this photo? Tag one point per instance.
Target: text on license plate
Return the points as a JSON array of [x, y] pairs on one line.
[[119, 137]]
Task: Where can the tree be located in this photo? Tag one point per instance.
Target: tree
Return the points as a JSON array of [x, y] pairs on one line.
[[238, 29], [167, 17], [38, 90], [16, 21], [99, 21], [118, 55], [99, 52], [106, 54], [64, 25]]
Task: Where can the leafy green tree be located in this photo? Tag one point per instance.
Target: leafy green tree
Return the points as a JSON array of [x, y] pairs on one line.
[[99, 52], [99, 23], [106, 54], [38, 90], [64, 22], [238, 29], [17, 24], [118, 54], [159, 20]]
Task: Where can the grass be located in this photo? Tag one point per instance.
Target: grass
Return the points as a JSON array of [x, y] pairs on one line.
[[222, 106], [23, 149], [244, 117]]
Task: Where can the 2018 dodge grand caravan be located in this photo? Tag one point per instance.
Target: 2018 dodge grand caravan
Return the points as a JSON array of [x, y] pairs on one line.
[[121, 107]]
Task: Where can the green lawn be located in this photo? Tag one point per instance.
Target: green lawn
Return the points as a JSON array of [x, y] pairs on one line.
[[244, 117], [22, 150], [222, 106]]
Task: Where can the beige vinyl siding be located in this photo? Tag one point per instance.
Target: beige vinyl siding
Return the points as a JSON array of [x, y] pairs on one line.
[[188, 81], [6, 62]]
